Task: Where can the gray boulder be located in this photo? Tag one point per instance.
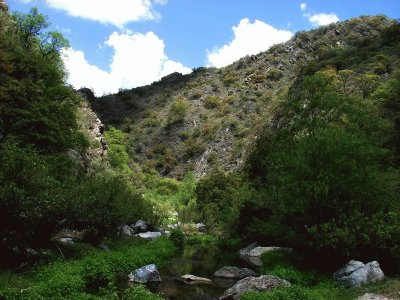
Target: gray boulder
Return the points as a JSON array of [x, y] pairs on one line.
[[149, 235], [145, 274], [257, 284], [246, 251], [201, 227], [191, 279], [258, 251], [66, 240], [126, 230], [355, 273], [140, 226], [369, 296], [234, 272]]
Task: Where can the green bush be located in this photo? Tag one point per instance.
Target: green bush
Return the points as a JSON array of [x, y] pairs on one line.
[[178, 238], [139, 293]]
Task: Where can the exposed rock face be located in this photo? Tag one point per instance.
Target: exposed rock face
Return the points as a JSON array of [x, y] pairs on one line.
[[355, 273], [149, 235], [145, 274], [191, 279], [234, 272], [369, 296], [258, 284]]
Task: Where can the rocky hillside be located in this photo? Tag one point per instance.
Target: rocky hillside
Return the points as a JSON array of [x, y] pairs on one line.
[[206, 120]]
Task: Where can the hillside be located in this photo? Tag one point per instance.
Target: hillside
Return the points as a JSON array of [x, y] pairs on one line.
[[208, 119]]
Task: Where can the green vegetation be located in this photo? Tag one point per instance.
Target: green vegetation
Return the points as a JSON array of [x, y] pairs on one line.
[[42, 186], [92, 277]]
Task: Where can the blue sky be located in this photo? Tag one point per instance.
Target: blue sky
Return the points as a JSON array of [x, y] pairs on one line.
[[127, 43]]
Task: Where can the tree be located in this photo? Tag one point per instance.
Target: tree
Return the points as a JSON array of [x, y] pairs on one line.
[[322, 161]]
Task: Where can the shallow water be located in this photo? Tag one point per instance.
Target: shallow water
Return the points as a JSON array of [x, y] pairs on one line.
[[199, 261]]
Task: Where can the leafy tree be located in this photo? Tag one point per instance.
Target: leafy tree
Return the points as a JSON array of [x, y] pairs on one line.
[[324, 160]]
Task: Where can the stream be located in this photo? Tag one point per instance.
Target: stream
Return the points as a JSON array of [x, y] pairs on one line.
[[199, 261]]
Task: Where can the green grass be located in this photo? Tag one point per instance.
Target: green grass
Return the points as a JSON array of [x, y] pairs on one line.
[[93, 277], [310, 285]]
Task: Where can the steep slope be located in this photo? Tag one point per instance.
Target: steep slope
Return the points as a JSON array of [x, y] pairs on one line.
[[207, 119]]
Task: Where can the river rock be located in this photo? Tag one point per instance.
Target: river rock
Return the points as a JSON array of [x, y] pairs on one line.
[[145, 274], [201, 227], [188, 278], [246, 251], [126, 230], [149, 235], [234, 272], [369, 296], [355, 273], [258, 284], [140, 226], [66, 240], [258, 251]]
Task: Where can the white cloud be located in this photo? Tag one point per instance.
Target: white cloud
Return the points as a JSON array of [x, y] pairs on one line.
[[319, 19], [249, 38], [138, 59], [323, 19], [116, 12], [26, 1]]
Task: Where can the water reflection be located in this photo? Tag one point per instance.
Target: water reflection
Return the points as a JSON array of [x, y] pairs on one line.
[[198, 261]]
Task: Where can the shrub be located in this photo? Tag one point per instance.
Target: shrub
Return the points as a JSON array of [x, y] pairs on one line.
[[274, 74], [178, 238]]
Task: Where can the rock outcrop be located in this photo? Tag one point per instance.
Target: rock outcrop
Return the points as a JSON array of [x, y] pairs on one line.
[[355, 273]]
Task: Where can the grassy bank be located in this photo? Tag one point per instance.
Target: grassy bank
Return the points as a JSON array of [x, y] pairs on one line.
[[94, 276], [312, 285]]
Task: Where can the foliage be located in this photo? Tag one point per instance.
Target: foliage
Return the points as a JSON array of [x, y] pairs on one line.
[[178, 238], [92, 275], [218, 201], [323, 163], [36, 107], [177, 111]]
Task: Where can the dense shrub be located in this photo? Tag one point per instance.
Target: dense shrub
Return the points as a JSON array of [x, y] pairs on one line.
[[178, 238]]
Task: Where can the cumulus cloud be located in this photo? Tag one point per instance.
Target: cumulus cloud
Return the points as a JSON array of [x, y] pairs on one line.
[[318, 19], [138, 59], [249, 38], [116, 12]]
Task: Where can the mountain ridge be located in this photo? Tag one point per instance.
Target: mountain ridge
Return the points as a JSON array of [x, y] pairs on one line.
[[207, 119]]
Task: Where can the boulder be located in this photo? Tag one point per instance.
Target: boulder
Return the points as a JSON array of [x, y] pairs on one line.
[[355, 273], [258, 251], [246, 251], [369, 296], [126, 230], [149, 235], [145, 274], [234, 272], [66, 240], [201, 227], [140, 226], [257, 284], [191, 279]]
